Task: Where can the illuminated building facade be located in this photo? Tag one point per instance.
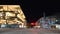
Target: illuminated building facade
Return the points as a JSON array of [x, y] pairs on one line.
[[47, 22], [12, 14]]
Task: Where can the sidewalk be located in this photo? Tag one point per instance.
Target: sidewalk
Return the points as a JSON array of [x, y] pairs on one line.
[[9, 29], [4, 29], [54, 30]]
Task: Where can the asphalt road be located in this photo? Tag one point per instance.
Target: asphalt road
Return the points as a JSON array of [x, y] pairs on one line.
[[28, 31]]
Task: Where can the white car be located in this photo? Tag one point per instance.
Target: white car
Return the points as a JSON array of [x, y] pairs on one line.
[[36, 26], [3, 26], [57, 26]]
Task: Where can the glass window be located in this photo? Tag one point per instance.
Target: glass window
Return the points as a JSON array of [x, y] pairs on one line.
[[1, 14]]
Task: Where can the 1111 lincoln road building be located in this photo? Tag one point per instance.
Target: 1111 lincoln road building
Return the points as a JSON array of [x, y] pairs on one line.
[[12, 14]]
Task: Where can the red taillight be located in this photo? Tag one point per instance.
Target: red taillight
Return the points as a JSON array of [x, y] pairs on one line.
[[33, 24]]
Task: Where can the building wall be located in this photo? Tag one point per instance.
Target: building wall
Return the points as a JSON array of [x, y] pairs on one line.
[[14, 8]]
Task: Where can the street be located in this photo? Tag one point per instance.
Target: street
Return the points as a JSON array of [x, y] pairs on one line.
[[28, 31]]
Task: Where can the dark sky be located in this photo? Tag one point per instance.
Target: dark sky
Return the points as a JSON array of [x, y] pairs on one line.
[[33, 9]]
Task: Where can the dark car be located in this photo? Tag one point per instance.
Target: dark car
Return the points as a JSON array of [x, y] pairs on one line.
[[14, 26]]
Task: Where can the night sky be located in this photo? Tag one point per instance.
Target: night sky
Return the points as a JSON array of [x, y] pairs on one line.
[[33, 9]]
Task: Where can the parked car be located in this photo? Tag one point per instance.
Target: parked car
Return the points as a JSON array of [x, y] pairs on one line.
[[57, 26], [14, 26], [5, 26]]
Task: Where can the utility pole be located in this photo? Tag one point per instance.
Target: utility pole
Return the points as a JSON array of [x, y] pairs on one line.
[[44, 15], [44, 20]]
